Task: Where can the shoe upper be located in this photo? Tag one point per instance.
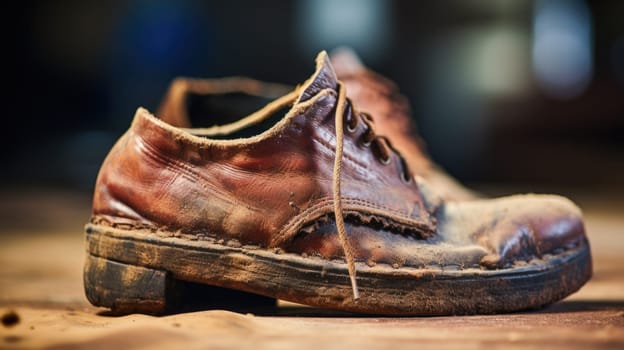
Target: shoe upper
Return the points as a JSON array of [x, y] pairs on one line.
[[275, 190], [263, 189]]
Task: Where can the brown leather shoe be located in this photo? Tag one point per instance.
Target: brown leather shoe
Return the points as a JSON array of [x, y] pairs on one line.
[[194, 102], [258, 213]]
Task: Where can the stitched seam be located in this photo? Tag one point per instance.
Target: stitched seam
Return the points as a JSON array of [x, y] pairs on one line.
[[355, 200], [303, 217]]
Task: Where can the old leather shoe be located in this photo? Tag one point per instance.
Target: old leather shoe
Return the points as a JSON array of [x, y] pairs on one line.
[[317, 209]]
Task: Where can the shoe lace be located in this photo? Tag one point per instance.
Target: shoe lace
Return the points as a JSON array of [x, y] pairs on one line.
[[383, 149]]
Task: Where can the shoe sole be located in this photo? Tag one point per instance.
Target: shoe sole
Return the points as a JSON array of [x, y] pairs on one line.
[[140, 271]]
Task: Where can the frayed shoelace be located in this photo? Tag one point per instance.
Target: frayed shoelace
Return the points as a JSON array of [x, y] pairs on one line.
[[384, 155]]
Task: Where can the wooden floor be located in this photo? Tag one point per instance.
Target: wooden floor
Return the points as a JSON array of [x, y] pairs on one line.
[[42, 251]]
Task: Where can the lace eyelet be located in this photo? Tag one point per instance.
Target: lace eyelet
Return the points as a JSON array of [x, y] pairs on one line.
[[350, 129], [367, 138], [407, 180], [386, 161]]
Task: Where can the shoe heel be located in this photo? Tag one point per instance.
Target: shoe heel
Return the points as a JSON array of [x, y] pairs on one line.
[[125, 288]]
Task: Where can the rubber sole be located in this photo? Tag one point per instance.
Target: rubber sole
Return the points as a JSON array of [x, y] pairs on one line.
[[139, 271]]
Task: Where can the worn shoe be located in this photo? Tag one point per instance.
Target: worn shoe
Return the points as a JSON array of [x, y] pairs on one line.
[[316, 209], [199, 102]]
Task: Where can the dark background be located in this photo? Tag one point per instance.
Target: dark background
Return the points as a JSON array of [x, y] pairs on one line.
[[519, 93]]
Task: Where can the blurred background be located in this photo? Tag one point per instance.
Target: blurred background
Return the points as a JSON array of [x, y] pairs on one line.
[[510, 96], [522, 94]]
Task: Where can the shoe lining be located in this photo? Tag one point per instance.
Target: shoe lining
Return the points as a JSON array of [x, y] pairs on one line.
[[218, 109], [236, 122]]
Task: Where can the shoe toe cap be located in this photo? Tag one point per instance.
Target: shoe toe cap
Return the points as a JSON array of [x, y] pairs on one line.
[[530, 226], [558, 223]]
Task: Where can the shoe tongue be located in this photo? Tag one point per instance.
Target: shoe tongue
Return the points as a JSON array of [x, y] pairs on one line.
[[323, 78]]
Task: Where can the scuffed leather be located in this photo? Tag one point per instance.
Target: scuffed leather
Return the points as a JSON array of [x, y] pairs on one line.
[[260, 192], [275, 191]]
